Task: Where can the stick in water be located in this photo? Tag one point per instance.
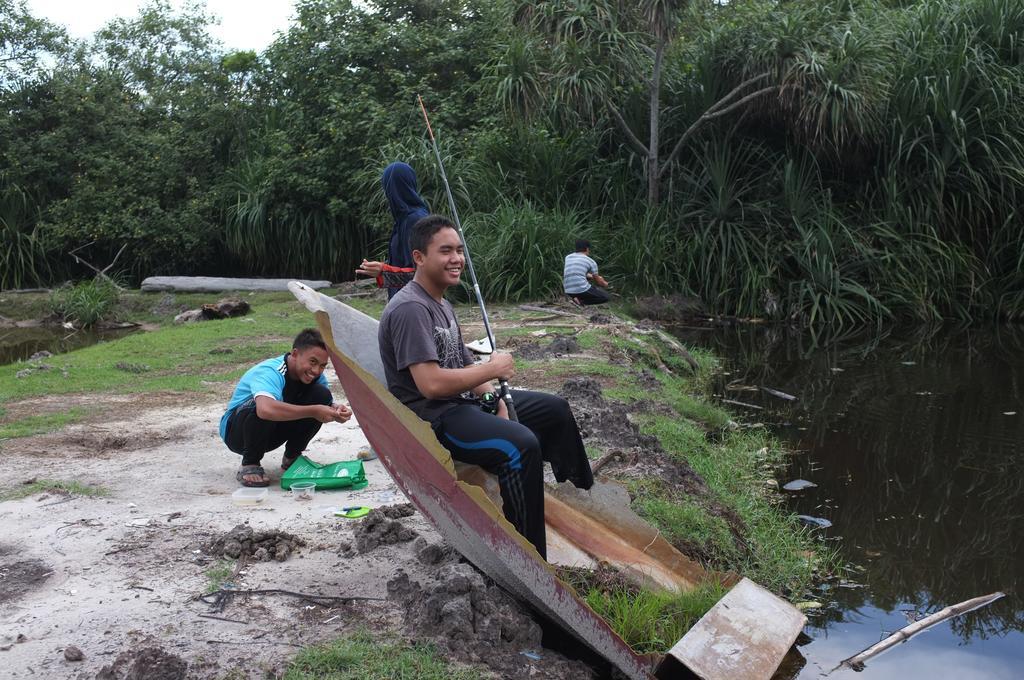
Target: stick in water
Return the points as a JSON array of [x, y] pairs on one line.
[[857, 661]]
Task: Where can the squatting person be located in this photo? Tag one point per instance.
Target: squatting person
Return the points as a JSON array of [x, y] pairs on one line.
[[283, 400], [429, 369], [579, 271]]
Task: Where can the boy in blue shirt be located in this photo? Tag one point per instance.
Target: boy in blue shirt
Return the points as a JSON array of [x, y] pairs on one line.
[[283, 400]]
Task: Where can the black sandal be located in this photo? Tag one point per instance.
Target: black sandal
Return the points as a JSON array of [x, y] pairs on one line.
[[286, 461], [249, 470]]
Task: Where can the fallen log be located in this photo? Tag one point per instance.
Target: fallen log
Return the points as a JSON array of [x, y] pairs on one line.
[[217, 284]]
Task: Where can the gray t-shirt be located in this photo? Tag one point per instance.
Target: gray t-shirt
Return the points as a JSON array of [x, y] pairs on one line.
[[413, 329]]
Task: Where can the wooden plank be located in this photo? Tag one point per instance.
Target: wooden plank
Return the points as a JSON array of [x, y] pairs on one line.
[[743, 637]]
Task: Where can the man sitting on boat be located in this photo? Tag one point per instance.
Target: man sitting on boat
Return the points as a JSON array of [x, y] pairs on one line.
[[283, 400], [429, 369]]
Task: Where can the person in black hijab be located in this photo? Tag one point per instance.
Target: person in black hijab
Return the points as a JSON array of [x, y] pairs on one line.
[[407, 207]]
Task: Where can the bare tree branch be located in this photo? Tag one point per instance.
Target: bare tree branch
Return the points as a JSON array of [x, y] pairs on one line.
[[716, 111], [748, 98], [735, 91], [637, 145], [99, 272]]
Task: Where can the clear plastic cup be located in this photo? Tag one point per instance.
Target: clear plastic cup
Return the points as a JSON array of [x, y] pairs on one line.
[[303, 491]]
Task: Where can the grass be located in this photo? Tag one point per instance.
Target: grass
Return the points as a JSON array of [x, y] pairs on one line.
[[365, 656], [684, 520], [218, 574], [178, 357], [650, 622], [780, 553], [33, 425], [87, 302], [51, 485]]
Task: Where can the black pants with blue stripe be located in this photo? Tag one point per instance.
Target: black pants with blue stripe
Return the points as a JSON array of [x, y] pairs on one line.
[[516, 451]]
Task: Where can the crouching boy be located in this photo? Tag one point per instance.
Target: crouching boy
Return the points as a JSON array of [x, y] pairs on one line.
[[283, 400]]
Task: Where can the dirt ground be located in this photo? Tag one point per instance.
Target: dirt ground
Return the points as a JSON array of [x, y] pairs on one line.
[[116, 579]]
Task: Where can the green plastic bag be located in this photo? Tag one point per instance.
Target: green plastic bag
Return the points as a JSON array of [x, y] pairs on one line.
[[345, 474]]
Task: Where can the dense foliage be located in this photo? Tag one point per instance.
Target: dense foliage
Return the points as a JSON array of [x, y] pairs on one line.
[[833, 163]]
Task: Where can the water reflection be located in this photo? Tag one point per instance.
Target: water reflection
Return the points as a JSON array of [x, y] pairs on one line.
[[914, 441], [18, 344]]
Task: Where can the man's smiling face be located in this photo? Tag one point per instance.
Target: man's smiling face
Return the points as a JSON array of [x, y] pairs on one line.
[[443, 262], [307, 364]]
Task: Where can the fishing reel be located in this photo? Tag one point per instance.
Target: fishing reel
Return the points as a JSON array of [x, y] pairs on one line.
[[489, 403]]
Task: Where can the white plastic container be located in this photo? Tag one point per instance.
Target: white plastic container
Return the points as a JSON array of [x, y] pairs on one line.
[[304, 491], [248, 495]]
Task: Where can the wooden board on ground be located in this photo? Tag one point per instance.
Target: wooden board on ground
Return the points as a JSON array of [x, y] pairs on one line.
[[743, 637], [217, 284]]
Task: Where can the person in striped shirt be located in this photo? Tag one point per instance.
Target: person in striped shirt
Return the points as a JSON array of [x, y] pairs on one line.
[[580, 279]]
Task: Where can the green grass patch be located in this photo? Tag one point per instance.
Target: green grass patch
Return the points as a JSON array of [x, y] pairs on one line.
[[651, 622], [363, 656], [781, 554], [685, 520], [33, 425], [51, 485], [218, 574], [590, 339], [86, 302], [179, 357]]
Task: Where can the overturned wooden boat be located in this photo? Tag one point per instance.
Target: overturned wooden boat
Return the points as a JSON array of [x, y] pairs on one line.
[[744, 637]]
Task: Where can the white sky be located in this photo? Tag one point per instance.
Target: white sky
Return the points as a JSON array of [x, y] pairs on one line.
[[244, 24]]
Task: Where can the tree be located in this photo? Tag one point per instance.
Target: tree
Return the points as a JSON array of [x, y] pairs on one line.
[[123, 143], [599, 55], [337, 89], [24, 40]]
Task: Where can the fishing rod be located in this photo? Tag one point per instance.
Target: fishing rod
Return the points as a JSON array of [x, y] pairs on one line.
[[506, 393]]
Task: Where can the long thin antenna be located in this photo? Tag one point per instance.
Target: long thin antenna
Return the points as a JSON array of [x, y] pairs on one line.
[[506, 394]]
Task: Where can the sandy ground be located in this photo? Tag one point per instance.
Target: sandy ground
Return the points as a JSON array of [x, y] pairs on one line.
[[117, 574]]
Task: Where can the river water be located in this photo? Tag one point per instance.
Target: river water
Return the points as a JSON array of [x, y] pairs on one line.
[[18, 344], [916, 444]]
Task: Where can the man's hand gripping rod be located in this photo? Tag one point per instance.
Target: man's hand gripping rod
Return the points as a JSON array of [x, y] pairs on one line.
[[506, 394]]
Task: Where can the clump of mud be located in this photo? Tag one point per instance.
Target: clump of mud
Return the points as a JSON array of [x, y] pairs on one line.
[[382, 526], [261, 546], [433, 553], [20, 577], [601, 421], [646, 379], [148, 663], [469, 618], [559, 345]]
